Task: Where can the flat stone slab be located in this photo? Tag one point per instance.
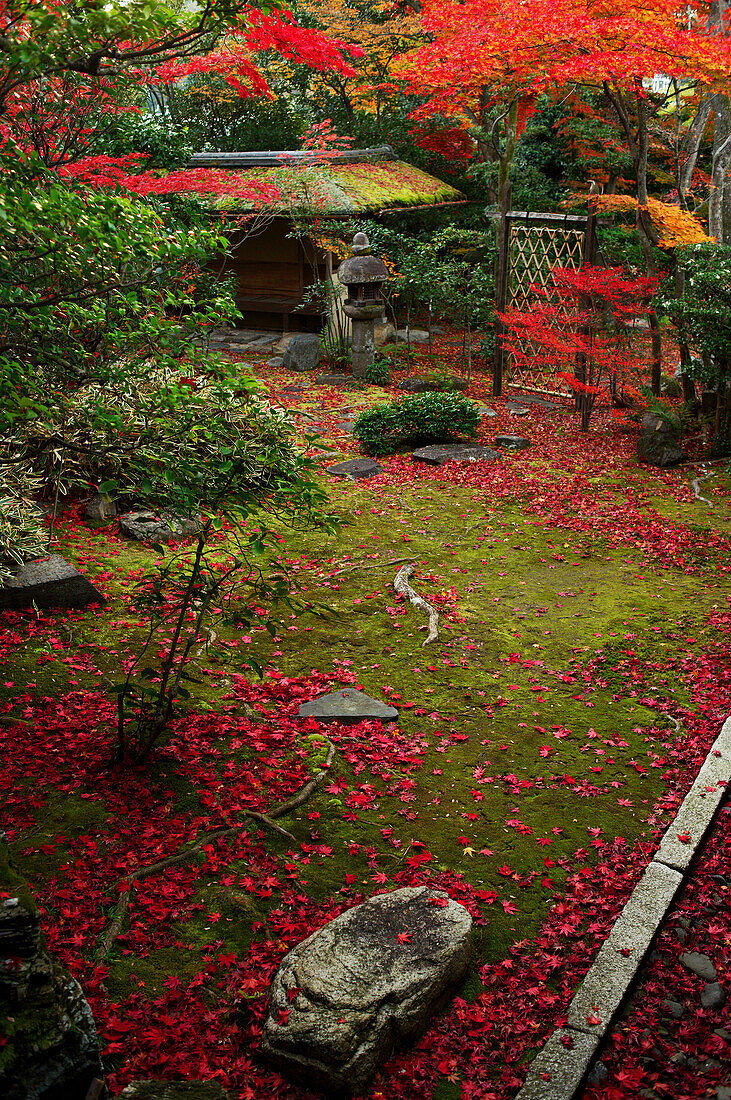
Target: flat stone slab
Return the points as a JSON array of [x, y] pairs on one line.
[[533, 399], [561, 1066], [356, 468], [349, 706], [517, 410], [606, 984], [485, 410], [51, 582], [512, 442], [277, 361], [681, 840], [364, 985], [335, 380], [438, 454], [345, 426], [173, 1090]]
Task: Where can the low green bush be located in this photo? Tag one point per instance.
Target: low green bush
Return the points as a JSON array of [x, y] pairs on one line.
[[379, 373], [422, 417]]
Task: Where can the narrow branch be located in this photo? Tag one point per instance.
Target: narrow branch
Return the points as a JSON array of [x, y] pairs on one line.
[[402, 586]]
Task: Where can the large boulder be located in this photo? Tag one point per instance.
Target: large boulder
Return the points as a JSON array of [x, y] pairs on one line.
[[365, 984], [303, 352], [52, 1050], [384, 333], [50, 582], [659, 442], [173, 1090]]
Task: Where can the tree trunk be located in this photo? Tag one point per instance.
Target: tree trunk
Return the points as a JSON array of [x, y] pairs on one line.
[[719, 199]]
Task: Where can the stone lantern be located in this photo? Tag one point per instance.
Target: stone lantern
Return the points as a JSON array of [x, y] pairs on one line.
[[364, 276]]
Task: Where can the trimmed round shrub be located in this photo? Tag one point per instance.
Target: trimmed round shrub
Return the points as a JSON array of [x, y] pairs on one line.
[[422, 418]]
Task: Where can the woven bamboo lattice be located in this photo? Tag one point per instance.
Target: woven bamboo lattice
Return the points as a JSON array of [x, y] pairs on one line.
[[534, 252]]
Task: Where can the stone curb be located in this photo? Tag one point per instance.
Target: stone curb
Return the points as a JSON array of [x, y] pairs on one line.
[[560, 1068]]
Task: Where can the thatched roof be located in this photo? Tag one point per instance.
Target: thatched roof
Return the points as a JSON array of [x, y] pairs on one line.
[[358, 181]]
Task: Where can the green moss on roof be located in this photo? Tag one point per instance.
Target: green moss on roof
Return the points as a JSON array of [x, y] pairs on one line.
[[347, 188]]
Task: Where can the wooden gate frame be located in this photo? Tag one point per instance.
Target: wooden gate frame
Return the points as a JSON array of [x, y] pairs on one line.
[[507, 219]]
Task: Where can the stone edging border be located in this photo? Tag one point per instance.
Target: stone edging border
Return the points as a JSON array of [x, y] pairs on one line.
[[560, 1069]]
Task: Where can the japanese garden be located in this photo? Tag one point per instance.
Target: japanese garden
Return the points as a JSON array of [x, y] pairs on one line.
[[365, 548]]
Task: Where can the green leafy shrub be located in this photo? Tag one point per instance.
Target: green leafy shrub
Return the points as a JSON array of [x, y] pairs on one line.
[[379, 373], [445, 382], [423, 417]]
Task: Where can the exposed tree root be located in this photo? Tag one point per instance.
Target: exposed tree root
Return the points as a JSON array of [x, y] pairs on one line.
[[368, 565], [120, 910], [402, 586], [696, 486]]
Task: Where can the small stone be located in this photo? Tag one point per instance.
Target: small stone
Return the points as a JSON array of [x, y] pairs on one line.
[[659, 442], [147, 526], [383, 334], [722, 1033], [348, 706], [485, 410], [713, 996], [99, 508], [356, 468], [438, 454], [700, 965], [678, 1059], [303, 352], [512, 442], [673, 1008], [51, 582], [723, 1092], [365, 983], [345, 426], [277, 361], [517, 410], [598, 1074]]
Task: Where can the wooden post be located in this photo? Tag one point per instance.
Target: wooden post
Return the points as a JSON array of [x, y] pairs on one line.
[[502, 287], [589, 254]]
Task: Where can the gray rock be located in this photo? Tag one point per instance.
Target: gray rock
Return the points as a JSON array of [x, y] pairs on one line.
[[361, 993], [157, 526], [438, 454], [383, 334], [349, 706], [699, 964], [674, 1009], [412, 336], [696, 812], [99, 509], [432, 385], [303, 352], [713, 996], [356, 468], [517, 410], [723, 1092], [533, 399], [277, 361], [173, 1090], [345, 426], [512, 442], [658, 443], [484, 410], [51, 582]]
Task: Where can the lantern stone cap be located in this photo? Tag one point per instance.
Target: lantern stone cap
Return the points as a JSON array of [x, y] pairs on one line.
[[361, 267]]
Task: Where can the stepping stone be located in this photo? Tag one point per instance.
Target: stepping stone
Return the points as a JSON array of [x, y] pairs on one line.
[[512, 442], [173, 1090], [345, 426], [438, 454], [517, 410], [356, 468], [484, 410], [348, 706], [294, 389], [277, 361], [334, 380], [49, 583], [346, 997], [531, 399]]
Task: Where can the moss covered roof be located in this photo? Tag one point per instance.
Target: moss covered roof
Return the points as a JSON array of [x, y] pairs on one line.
[[340, 189]]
